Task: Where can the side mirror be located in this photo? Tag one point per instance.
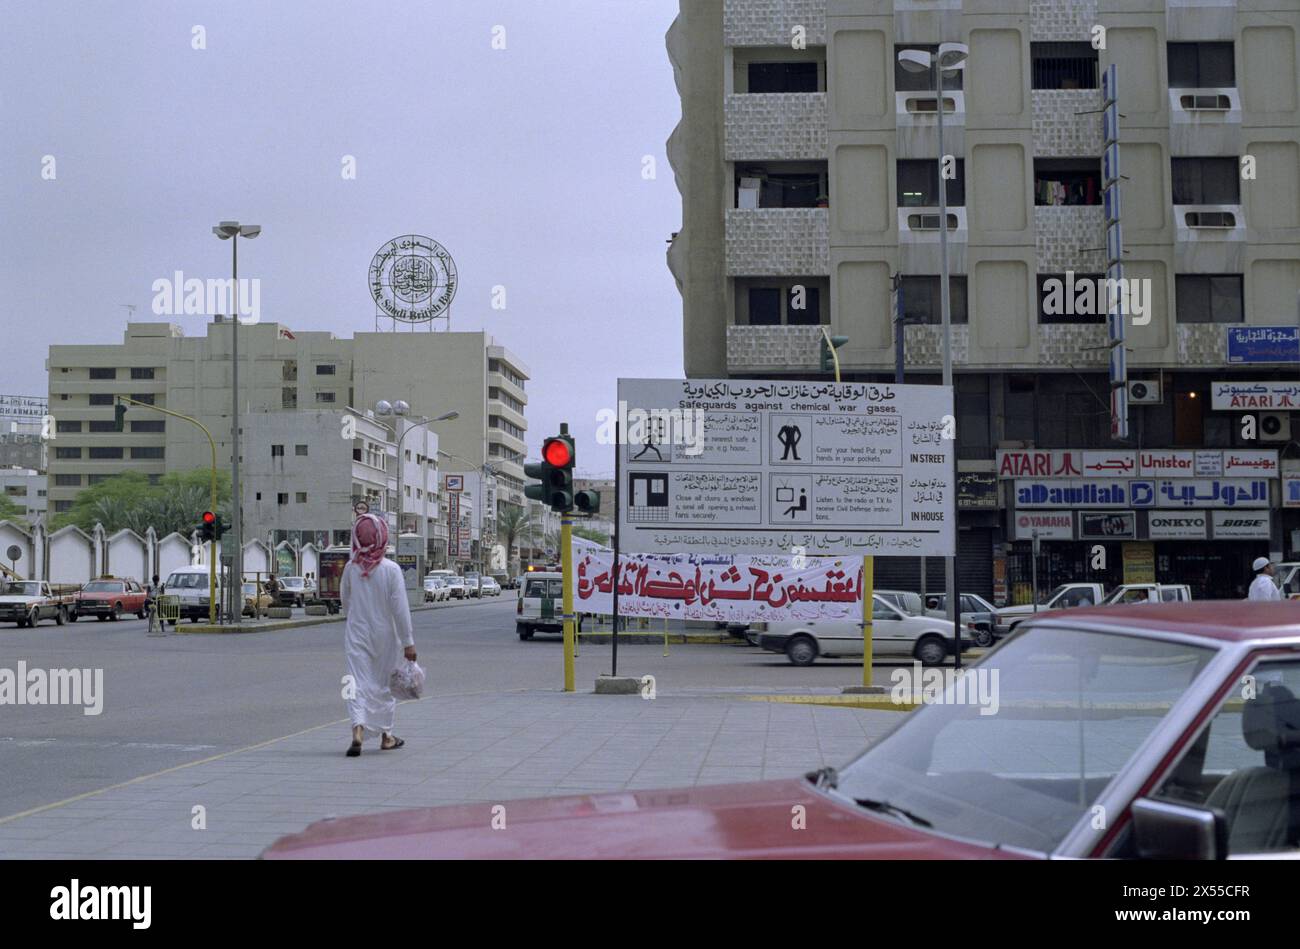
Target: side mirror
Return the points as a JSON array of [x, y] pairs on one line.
[[1166, 831]]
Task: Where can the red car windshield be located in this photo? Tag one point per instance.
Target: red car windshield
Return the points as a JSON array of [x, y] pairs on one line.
[[1024, 743]]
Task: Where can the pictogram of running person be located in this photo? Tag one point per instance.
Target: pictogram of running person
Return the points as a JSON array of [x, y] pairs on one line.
[[789, 436], [652, 428]]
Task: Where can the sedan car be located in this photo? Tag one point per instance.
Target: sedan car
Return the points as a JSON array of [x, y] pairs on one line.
[[435, 589], [489, 587], [456, 588], [927, 639], [976, 614], [109, 598], [294, 591], [1176, 724]]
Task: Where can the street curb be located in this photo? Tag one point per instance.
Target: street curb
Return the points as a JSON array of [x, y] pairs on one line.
[[880, 703], [221, 629], [651, 639]]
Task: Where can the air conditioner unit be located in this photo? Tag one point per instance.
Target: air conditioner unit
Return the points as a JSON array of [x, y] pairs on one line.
[[1274, 427], [1145, 391]]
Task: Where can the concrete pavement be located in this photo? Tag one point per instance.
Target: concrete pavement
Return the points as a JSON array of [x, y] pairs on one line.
[[461, 747]]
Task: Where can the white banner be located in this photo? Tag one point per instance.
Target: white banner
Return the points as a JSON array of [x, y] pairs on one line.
[[730, 588], [1253, 525]]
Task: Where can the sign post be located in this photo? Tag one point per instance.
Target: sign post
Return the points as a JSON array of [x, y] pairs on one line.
[[1034, 569]]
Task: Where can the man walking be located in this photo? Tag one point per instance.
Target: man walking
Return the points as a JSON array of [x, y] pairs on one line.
[[1263, 588]]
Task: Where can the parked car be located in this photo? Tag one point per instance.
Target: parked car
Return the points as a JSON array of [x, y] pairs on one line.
[[256, 600], [1190, 767], [489, 587], [294, 591], [1148, 593], [907, 601], [27, 602], [110, 598], [472, 585], [927, 639], [435, 589], [1065, 596], [976, 615], [456, 588]]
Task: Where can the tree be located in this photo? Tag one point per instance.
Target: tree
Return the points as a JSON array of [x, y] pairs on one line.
[[512, 523], [129, 501], [591, 534], [9, 511]]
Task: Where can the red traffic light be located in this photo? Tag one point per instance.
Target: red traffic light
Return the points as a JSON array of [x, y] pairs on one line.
[[209, 517], [556, 452]]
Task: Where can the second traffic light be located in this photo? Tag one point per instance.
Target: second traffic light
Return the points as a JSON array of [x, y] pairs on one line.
[[828, 353], [554, 473]]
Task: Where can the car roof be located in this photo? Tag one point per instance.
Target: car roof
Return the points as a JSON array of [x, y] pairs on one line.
[[1226, 620]]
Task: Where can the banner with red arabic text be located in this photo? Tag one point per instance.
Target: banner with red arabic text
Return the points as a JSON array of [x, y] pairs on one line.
[[723, 588]]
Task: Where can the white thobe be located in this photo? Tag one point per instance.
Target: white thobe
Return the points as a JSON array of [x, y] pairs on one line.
[[379, 621], [1264, 589]]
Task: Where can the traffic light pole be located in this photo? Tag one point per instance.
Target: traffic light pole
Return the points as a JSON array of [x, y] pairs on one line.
[[566, 569], [212, 546]]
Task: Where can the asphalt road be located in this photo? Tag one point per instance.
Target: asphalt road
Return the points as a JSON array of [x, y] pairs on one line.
[[180, 698]]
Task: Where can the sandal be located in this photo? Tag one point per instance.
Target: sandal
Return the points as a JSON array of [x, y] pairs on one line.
[[354, 750], [397, 743]]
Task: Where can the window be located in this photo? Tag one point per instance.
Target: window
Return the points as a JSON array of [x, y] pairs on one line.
[[324, 369], [63, 425], [1243, 764], [101, 426], [147, 451], [1072, 181], [282, 498], [67, 453], [764, 306], [101, 398], [803, 306], [108, 373], [907, 81], [149, 426], [62, 506], [783, 77], [141, 372], [1206, 181], [95, 479], [324, 396], [277, 451], [1064, 65], [918, 184], [300, 451], [922, 303], [1071, 298], [103, 454], [67, 480], [1208, 298], [300, 497], [146, 397], [779, 189], [1201, 66]]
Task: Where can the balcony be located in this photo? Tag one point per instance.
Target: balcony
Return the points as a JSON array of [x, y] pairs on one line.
[[1070, 237], [745, 23], [776, 126], [1202, 344], [773, 348], [500, 381], [1060, 130], [1073, 345], [777, 242]]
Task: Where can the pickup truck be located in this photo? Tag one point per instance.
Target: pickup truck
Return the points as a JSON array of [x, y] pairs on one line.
[[27, 602], [1090, 594]]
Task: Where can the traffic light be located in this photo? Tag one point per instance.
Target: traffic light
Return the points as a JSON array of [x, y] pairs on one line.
[[218, 527], [554, 474], [828, 354], [587, 502], [207, 528], [119, 417]]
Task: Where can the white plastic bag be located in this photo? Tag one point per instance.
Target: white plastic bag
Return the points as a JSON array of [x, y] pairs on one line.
[[407, 680]]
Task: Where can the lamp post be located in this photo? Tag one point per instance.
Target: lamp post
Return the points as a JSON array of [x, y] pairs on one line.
[[950, 57], [400, 409], [232, 231]]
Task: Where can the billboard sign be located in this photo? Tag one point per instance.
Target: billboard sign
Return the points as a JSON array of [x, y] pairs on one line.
[[1263, 344], [1244, 396]]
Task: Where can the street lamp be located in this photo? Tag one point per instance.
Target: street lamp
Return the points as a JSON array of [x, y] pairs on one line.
[[950, 57], [232, 231], [400, 409]]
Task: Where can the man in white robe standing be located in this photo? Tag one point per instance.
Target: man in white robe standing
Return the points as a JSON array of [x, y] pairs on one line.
[[373, 595]]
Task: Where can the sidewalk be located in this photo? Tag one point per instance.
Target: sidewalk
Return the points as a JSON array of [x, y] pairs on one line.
[[459, 748]]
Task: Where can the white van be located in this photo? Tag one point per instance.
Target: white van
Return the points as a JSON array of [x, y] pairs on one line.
[[190, 586]]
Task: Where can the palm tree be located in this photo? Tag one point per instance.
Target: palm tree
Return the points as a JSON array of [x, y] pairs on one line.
[[512, 523]]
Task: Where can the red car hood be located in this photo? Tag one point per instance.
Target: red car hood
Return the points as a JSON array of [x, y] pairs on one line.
[[754, 821]]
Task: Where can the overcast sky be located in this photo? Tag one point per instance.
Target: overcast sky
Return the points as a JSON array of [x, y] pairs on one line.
[[525, 163]]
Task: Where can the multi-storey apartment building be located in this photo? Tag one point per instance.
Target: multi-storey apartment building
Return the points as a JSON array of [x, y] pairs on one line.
[[807, 159], [297, 378]]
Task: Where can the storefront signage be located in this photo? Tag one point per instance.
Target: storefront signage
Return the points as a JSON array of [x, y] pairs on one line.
[[1050, 526], [1263, 344], [1291, 492], [1251, 525], [1037, 464], [1250, 464], [1109, 464], [977, 491], [1107, 525], [1140, 563], [1177, 526], [1182, 492], [1160, 463], [1238, 396]]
